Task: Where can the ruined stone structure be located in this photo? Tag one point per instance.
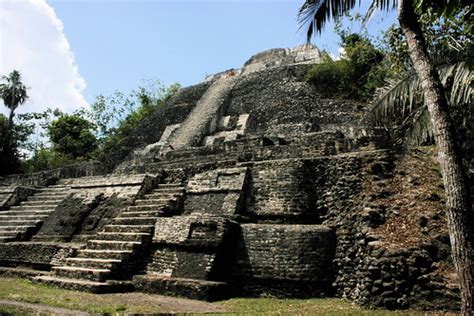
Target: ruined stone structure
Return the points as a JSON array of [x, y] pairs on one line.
[[245, 184]]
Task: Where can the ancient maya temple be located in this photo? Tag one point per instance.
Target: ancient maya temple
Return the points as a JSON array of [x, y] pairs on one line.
[[245, 184]]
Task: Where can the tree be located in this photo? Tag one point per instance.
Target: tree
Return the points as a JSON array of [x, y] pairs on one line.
[[13, 93], [459, 209], [9, 161], [73, 135], [361, 63], [109, 112]]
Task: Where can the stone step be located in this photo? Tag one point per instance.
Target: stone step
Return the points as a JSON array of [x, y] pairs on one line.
[[33, 207], [104, 254], [8, 233], [34, 212], [48, 199], [134, 221], [55, 187], [98, 275], [22, 217], [93, 263], [6, 239], [129, 228], [16, 228], [112, 244], [154, 201], [41, 202], [144, 208], [84, 285], [170, 185], [14, 222], [51, 193], [9, 236], [168, 190], [156, 213], [202, 290], [162, 196], [140, 237]]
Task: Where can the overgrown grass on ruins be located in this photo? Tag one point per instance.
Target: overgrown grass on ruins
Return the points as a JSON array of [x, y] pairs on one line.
[[21, 290]]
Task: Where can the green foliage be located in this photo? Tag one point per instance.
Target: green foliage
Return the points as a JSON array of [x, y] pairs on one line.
[[73, 135], [332, 78], [353, 77], [400, 101], [12, 92], [88, 133], [45, 158], [9, 160], [109, 112], [449, 39], [15, 142], [150, 100]]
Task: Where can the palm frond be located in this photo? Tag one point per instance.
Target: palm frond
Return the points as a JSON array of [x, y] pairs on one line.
[[419, 130], [314, 14], [397, 96], [402, 98], [462, 89], [384, 5], [404, 94]]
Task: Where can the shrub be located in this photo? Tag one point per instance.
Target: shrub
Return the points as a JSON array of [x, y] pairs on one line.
[[332, 78], [72, 135], [355, 76]]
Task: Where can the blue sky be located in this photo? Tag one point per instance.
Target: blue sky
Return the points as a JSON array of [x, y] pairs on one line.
[[114, 45]]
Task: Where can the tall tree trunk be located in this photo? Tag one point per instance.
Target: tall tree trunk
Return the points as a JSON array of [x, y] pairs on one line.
[[10, 119], [458, 204]]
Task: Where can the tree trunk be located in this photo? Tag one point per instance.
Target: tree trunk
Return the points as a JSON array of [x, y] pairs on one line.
[[458, 204], [10, 119]]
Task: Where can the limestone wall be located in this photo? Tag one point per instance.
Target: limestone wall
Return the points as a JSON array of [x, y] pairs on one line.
[[285, 259], [279, 192], [195, 246], [282, 96], [277, 57], [34, 254], [149, 131], [47, 177], [217, 192]]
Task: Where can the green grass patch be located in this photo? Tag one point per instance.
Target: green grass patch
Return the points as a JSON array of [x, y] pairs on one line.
[[17, 311], [326, 306], [26, 291], [111, 304]]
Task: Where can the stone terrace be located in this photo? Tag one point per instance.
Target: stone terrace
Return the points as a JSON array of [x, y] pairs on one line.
[[246, 184]]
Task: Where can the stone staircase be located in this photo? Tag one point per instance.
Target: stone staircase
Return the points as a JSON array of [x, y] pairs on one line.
[[20, 222], [117, 251], [5, 192], [204, 117], [229, 128]]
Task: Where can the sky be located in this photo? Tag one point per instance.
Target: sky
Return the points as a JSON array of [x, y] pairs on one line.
[[70, 51]]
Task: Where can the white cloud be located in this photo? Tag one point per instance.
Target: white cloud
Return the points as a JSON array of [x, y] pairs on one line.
[[32, 40], [341, 54]]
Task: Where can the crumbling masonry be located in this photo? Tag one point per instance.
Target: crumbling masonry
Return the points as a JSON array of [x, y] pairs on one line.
[[245, 184]]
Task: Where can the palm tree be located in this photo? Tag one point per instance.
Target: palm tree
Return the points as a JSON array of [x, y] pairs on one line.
[[13, 93], [315, 13], [403, 95]]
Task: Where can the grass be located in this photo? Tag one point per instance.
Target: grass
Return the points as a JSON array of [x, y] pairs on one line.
[[17, 311], [111, 304], [326, 306], [26, 291]]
